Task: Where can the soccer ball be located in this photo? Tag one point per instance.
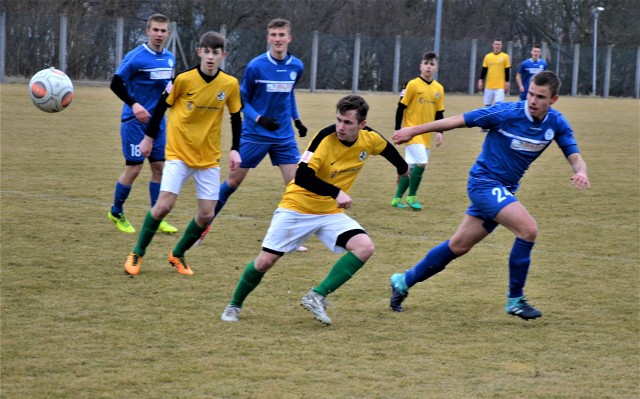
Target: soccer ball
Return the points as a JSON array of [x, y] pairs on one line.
[[51, 90]]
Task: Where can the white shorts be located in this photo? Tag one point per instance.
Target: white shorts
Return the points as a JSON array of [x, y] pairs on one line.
[[207, 181], [416, 154], [492, 96], [290, 229]]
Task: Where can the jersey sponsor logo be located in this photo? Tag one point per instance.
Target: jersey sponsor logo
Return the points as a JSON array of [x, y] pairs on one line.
[[221, 96], [306, 157], [160, 74], [350, 170], [279, 87], [520, 145]]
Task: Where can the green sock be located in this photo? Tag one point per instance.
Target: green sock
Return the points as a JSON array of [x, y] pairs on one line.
[[190, 236], [248, 282], [402, 186], [149, 228], [339, 274], [414, 181]]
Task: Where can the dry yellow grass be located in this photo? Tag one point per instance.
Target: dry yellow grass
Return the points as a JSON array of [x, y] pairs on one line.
[[73, 326]]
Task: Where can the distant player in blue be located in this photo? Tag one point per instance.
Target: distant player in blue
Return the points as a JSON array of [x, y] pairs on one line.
[[518, 133], [269, 107], [139, 81], [528, 68]]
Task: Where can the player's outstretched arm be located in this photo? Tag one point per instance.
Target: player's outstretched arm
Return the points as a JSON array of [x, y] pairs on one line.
[[405, 134], [580, 180]]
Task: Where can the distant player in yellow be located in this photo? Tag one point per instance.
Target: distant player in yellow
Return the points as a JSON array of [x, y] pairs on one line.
[[197, 98], [314, 203], [495, 70], [421, 101]]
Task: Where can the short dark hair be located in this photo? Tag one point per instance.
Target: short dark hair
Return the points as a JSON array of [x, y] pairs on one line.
[[547, 78], [279, 23], [353, 103], [212, 40], [429, 55], [536, 45], [161, 18]]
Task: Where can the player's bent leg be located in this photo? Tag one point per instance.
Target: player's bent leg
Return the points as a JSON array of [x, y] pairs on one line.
[[517, 218]]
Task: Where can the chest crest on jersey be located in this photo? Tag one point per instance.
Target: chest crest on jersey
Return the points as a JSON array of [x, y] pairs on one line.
[[363, 155], [221, 96], [548, 135]]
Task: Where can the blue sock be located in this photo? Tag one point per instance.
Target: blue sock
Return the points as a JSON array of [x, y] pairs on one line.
[[435, 261], [120, 195], [154, 192], [519, 262], [225, 192]]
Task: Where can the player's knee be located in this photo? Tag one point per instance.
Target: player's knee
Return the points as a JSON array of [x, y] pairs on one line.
[[530, 233], [364, 250], [160, 210]]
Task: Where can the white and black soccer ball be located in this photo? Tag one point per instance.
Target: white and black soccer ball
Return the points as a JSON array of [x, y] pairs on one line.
[[51, 90]]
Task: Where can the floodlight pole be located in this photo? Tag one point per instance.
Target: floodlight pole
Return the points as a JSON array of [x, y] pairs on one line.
[[596, 11]]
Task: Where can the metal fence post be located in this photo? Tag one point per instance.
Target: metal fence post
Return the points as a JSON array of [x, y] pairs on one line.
[[576, 69], [356, 64], [62, 57], [396, 65], [119, 40], [607, 72], [3, 42], [314, 61], [636, 91], [472, 66]]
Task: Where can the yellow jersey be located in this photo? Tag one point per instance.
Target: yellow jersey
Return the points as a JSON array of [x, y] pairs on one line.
[[195, 119], [334, 162], [495, 64], [422, 99]]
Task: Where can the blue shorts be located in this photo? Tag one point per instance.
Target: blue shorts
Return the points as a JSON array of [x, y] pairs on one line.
[[487, 199], [132, 133], [284, 153]]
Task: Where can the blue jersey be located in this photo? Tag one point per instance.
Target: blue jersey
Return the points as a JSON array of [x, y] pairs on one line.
[[515, 139], [267, 89], [146, 73], [528, 68]]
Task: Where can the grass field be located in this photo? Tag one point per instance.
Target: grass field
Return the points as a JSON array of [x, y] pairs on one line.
[[74, 326]]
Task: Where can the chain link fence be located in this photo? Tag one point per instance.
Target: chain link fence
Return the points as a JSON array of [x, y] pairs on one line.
[[91, 52]]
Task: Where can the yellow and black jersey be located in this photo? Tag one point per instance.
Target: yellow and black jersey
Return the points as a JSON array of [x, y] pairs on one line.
[[329, 165], [496, 65], [195, 121], [422, 100]]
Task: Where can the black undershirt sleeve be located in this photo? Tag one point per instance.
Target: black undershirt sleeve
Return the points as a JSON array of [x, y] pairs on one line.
[[120, 89], [392, 155], [506, 74], [483, 74], [399, 114], [156, 117], [236, 130], [307, 179], [439, 115]]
